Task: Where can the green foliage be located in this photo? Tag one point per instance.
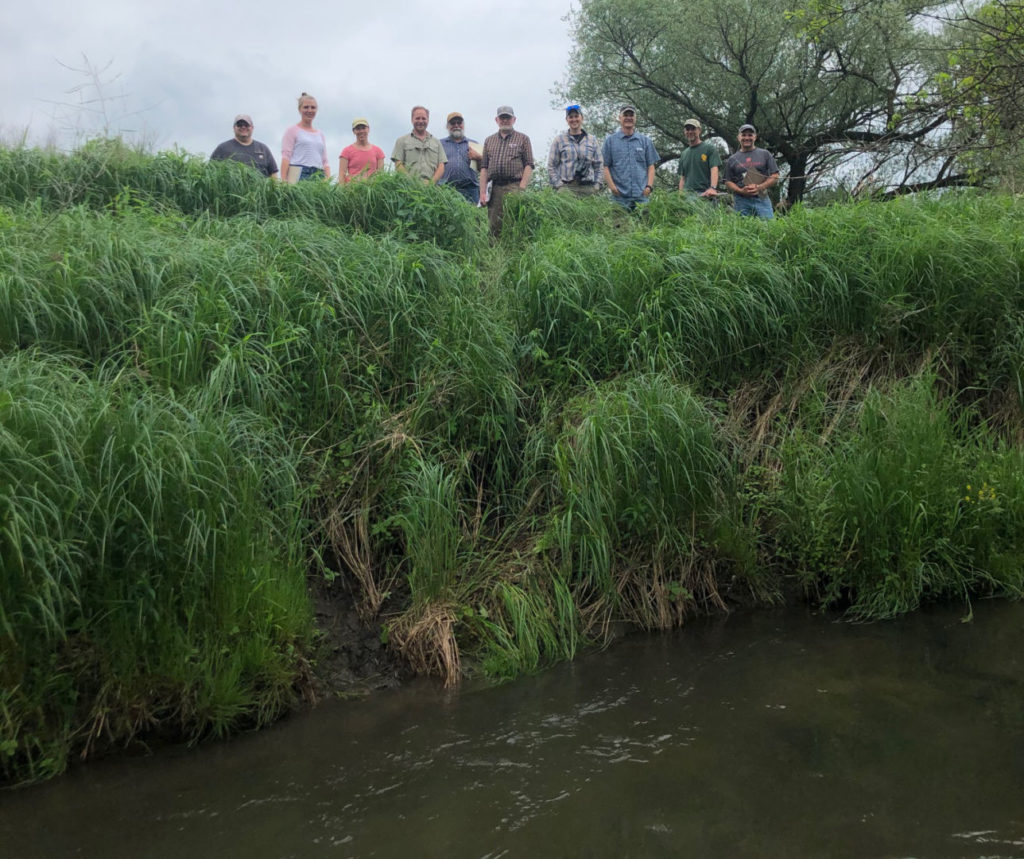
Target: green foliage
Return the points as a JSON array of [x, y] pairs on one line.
[[211, 385], [904, 505], [819, 80], [149, 564]]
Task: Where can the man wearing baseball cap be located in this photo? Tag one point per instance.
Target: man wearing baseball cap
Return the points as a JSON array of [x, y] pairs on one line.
[[245, 150], [460, 172], [507, 163], [749, 174], [699, 164], [629, 161], [574, 161]]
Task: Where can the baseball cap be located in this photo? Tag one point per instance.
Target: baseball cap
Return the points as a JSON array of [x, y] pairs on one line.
[[747, 127], [627, 108], [244, 116], [694, 122], [455, 115], [505, 110], [360, 121]]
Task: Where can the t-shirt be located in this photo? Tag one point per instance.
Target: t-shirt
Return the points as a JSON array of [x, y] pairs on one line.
[[695, 164], [362, 161], [740, 162], [304, 148], [255, 154]]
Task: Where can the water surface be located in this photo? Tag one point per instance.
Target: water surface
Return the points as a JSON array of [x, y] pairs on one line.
[[769, 734]]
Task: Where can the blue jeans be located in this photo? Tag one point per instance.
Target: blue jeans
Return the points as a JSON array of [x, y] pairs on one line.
[[310, 173], [758, 207], [630, 202], [470, 192]]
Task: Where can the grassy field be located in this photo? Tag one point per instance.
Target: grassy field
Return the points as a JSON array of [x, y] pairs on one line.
[[215, 389]]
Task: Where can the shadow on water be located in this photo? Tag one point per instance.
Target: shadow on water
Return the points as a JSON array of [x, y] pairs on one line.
[[771, 734]]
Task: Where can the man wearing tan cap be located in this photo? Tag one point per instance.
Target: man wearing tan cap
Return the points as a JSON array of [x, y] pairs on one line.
[[700, 163], [507, 164], [461, 170], [245, 150]]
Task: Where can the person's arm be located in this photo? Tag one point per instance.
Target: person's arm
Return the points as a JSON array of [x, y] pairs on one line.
[[484, 161], [712, 190], [682, 182], [397, 154], [527, 173], [438, 173], [649, 187], [380, 162], [287, 147], [343, 176], [323, 156], [598, 165]]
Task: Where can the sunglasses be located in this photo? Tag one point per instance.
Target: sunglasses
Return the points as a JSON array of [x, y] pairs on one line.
[[569, 108], [241, 124], [455, 122]]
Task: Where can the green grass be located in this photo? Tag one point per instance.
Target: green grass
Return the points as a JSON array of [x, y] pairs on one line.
[[212, 386]]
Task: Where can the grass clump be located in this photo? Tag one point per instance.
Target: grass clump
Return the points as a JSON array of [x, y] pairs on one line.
[[149, 566]]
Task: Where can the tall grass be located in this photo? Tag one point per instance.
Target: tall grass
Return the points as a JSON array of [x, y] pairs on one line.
[[149, 565], [211, 384], [910, 501]]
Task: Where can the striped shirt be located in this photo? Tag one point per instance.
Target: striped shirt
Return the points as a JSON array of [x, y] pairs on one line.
[[505, 158], [570, 160]]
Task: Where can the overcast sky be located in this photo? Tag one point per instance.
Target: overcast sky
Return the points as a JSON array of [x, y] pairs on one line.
[[179, 72]]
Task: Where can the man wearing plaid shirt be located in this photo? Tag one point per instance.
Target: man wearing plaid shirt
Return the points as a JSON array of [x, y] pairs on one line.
[[507, 163], [574, 162]]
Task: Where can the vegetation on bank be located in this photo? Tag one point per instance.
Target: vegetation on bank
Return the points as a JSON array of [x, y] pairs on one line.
[[213, 387]]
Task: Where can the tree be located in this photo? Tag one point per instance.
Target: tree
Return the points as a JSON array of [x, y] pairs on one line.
[[984, 85], [822, 80]]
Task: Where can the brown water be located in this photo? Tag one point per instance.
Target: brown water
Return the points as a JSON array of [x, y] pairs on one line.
[[773, 734]]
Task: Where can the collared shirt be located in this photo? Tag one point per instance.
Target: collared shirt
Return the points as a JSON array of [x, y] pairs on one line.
[[571, 159], [457, 170], [627, 159], [505, 158], [420, 157]]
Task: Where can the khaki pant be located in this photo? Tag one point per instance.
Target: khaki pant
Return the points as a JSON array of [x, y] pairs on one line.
[[496, 204]]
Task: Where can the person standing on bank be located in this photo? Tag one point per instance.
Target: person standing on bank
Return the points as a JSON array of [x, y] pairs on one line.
[[419, 153], [303, 148], [459, 171], [507, 164], [749, 174], [699, 164], [574, 161], [361, 159], [245, 150], [629, 161]]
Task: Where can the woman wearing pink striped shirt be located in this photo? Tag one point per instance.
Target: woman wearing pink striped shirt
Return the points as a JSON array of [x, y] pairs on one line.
[[303, 148]]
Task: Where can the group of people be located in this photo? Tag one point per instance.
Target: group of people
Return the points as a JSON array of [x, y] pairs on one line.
[[485, 174]]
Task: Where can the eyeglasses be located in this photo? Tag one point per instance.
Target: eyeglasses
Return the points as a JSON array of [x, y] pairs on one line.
[[455, 122], [241, 124]]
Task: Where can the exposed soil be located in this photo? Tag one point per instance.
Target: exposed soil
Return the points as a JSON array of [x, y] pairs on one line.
[[351, 658]]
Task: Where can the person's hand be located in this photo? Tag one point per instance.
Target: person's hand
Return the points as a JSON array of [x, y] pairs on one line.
[[710, 192], [614, 190], [483, 196]]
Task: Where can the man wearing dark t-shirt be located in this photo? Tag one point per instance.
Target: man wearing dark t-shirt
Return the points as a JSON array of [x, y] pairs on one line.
[[244, 149]]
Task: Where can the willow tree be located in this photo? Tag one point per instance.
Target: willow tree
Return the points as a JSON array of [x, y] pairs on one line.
[[820, 79]]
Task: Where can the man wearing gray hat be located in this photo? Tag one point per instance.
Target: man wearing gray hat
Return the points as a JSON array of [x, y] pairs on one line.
[[507, 163], [629, 161], [699, 164], [749, 174], [244, 149]]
